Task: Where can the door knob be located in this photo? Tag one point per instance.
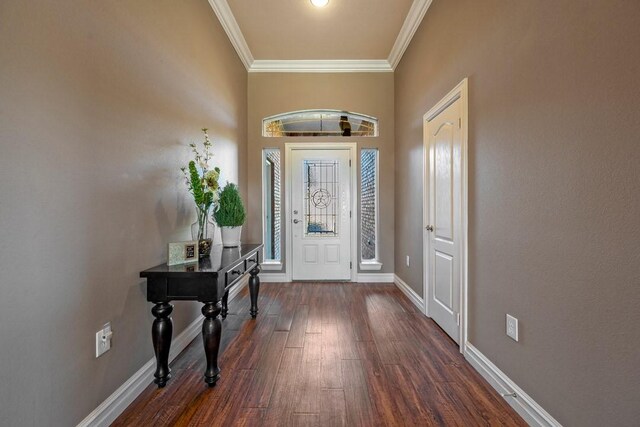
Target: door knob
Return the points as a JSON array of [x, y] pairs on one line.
[[295, 221], [429, 228]]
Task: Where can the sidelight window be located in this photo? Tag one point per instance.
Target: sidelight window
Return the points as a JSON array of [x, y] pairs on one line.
[[369, 209], [271, 207]]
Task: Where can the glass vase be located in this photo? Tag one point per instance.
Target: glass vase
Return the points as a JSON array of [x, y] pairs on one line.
[[203, 230]]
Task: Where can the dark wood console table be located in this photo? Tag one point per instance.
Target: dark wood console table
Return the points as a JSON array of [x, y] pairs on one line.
[[207, 281]]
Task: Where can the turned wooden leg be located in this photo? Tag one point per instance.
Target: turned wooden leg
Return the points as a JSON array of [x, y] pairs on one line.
[[254, 289], [211, 333], [161, 332], [225, 306]]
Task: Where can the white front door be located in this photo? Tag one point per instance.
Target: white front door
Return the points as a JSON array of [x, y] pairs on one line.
[[443, 140], [320, 214]]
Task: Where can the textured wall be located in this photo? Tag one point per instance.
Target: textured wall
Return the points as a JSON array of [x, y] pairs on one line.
[[553, 190], [97, 103], [367, 93]]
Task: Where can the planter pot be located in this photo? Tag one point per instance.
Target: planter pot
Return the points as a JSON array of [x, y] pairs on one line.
[[231, 236]]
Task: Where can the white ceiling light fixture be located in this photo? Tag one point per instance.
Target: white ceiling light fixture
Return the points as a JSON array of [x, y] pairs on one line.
[[319, 3]]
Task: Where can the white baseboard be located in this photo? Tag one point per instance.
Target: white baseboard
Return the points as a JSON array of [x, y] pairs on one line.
[[375, 277], [266, 277], [410, 293], [523, 404], [273, 277], [120, 399]]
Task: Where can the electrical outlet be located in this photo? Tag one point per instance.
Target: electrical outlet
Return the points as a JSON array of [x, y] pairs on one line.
[[512, 327], [407, 260], [103, 340]]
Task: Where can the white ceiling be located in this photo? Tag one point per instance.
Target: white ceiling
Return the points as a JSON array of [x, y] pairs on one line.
[[346, 35]]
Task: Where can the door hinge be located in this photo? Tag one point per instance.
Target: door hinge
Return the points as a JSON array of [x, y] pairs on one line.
[[350, 265], [350, 214], [458, 319], [349, 162], [460, 122]]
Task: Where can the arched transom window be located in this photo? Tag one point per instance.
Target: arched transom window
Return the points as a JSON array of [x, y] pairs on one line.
[[319, 123]]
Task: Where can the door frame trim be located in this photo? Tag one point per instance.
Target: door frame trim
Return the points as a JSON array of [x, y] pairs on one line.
[[459, 92], [352, 147]]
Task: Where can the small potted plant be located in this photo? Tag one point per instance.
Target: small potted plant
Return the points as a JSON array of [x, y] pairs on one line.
[[230, 215]]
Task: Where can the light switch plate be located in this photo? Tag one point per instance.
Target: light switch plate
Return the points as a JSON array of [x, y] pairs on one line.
[[512, 327]]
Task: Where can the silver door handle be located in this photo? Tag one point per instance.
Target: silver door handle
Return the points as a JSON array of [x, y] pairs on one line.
[[429, 228], [295, 221]]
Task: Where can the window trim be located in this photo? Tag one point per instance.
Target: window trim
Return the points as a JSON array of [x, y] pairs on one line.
[[371, 264], [270, 264]]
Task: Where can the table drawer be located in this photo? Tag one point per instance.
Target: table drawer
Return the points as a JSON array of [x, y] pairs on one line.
[[239, 270], [252, 261], [235, 273]]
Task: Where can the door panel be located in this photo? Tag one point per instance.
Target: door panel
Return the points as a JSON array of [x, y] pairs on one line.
[[444, 144], [310, 254], [443, 283], [332, 254], [443, 182], [320, 212]]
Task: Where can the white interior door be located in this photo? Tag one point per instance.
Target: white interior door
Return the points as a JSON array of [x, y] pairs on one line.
[[320, 214], [443, 139]]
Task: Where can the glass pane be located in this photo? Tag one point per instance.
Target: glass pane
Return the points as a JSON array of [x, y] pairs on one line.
[[321, 197], [368, 191], [320, 123], [272, 214]]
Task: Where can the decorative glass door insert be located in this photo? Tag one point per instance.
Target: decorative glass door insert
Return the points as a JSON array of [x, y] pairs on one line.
[[321, 198]]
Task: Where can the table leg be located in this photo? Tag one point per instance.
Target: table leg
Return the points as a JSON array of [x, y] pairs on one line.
[[161, 332], [211, 333], [254, 289], [225, 306]]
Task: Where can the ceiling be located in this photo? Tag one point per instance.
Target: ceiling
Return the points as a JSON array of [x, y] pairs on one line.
[[345, 35]]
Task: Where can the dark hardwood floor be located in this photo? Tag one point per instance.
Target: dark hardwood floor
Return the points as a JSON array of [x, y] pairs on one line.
[[325, 354]]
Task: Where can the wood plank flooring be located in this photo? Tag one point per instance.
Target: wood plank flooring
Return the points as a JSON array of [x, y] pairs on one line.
[[325, 354]]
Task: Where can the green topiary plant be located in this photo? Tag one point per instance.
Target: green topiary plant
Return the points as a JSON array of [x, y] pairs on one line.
[[230, 212]]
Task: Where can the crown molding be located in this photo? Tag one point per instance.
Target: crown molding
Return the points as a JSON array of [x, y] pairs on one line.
[[321, 66], [225, 16], [411, 23]]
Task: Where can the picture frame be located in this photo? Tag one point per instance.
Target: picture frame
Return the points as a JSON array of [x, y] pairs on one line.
[[182, 252]]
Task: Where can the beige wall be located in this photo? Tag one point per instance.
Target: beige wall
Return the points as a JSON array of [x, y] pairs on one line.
[[367, 93], [554, 178], [97, 103]]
